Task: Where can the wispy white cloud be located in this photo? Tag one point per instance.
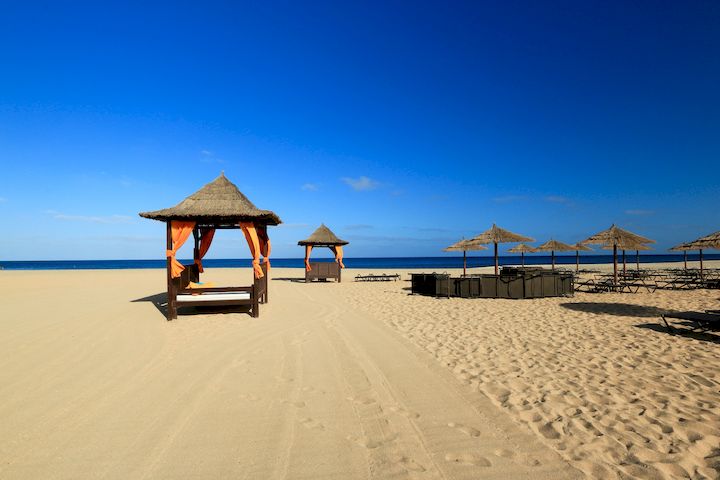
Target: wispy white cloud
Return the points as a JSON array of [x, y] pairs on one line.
[[90, 218], [639, 212], [207, 156], [557, 199], [361, 183], [509, 198], [310, 187]]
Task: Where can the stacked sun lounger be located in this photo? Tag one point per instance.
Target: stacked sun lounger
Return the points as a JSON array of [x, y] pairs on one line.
[[377, 278]]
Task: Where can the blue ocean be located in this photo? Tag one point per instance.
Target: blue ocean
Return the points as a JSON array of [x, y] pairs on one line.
[[430, 263]]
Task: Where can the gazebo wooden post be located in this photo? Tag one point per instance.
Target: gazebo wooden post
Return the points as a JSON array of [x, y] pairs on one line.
[[637, 259], [171, 307], [552, 259], [196, 249], [522, 257], [685, 258], [464, 263], [701, 265], [624, 264]]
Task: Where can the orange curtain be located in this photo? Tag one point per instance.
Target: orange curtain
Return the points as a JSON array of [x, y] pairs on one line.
[[206, 237], [264, 244], [180, 233], [339, 255], [251, 236], [308, 249]]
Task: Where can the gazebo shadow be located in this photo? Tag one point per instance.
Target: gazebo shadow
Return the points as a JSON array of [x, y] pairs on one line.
[[682, 332], [290, 279], [159, 301]]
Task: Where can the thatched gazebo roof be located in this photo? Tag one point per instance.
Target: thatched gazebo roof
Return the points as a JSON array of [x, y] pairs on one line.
[[322, 237], [629, 247], [683, 247], [555, 246], [464, 246], [522, 248], [219, 202], [499, 235], [616, 236]]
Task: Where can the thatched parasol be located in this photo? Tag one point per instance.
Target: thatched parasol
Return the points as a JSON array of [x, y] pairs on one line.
[[218, 203], [630, 246], [323, 237], [464, 246], [702, 243], [497, 235], [579, 248], [552, 246], [521, 249], [683, 247], [615, 236]]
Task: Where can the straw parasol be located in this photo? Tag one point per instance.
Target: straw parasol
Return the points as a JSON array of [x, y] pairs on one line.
[[615, 236], [497, 235], [464, 246], [552, 246], [579, 248], [683, 247], [630, 246], [708, 241], [219, 203], [521, 249], [323, 237]]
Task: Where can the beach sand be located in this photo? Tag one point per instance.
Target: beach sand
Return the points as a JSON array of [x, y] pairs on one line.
[[351, 380]]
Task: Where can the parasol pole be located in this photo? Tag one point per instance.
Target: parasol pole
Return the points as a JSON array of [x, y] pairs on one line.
[[577, 261], [624, 264], [552, 257], [522, 256], [615, 272], [701, 265], [464, 262], [637, 259], [496, 259], [685, 258]]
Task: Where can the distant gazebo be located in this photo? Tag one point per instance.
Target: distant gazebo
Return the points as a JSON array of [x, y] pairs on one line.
[[323, 237], [217, 205]]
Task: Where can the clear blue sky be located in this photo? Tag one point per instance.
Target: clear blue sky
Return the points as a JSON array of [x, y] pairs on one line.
[[403, 126]]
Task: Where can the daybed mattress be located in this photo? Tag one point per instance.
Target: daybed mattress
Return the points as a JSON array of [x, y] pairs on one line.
[[214, 296]]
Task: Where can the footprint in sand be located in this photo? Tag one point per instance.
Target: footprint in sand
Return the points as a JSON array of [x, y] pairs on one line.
[[549, 432], [311, 424], [469, 431], [467, 459], [298, 404], [403, 412], [284, 379], [371, 443], [362, 400], [408, 463], [517, 458]]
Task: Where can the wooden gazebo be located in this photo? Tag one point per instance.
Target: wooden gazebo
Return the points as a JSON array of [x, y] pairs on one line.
[[217, 205], [323, 237]]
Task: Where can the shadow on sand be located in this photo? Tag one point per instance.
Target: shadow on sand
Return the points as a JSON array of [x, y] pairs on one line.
[[290, 279], [159, 300], [630, 310]]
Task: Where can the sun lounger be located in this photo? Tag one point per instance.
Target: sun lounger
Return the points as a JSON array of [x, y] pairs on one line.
[[377, 278], [704, 321]]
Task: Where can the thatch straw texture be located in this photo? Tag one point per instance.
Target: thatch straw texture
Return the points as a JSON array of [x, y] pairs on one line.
[[499, 235], [555, 246], [522, 248], [708, 241], [465, 246], [683, 247], [322, 236], [616, 236], [581, 248], [628, 247], [218, 202]]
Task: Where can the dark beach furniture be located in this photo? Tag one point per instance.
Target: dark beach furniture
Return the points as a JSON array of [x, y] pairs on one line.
[[703, 321], [217, 205], [377, 278], [533, 283], [323, 271]]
